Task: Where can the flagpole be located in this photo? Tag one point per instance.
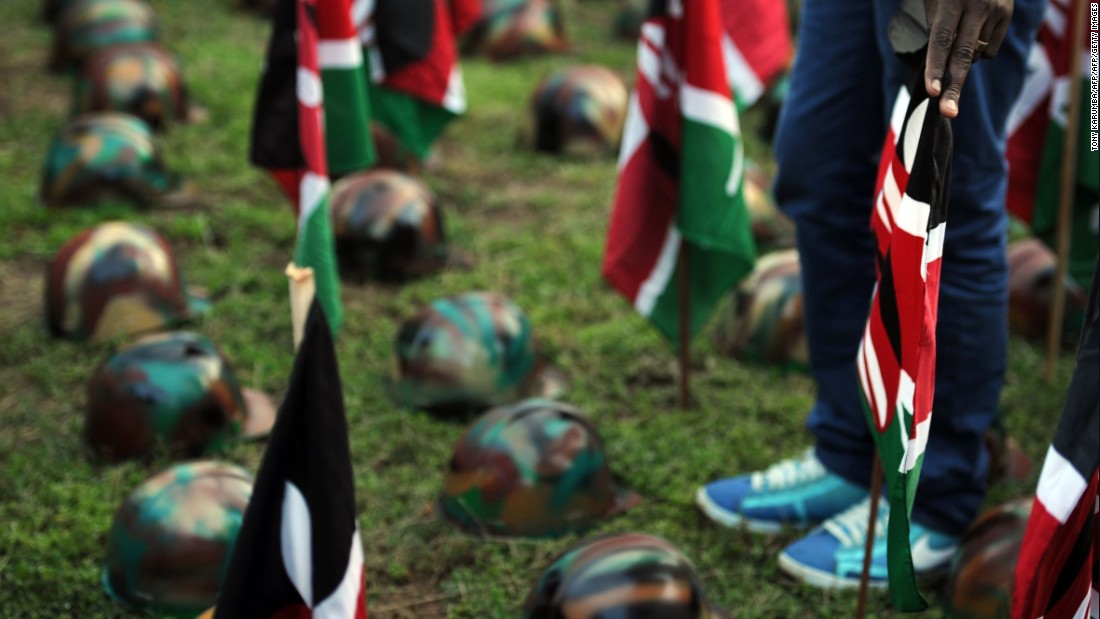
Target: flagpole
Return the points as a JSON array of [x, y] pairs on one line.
[[865, 575], [1065, 198], [302, 290], [683, 285]]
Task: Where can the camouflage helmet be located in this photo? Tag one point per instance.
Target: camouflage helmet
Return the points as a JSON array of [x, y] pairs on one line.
[[170, 542], [117, 278], [533, 469], [86, 26], [513, 28], [765, 320], [392, 154], [1031, 269], [626, 576], [173, 392], [628, 21], [984, 567], [578, 110], [388, 226], [467, 353], [771, 229], [140, 79], [105, 155]]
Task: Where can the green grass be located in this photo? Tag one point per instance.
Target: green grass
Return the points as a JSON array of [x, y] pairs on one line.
[[535, 225]]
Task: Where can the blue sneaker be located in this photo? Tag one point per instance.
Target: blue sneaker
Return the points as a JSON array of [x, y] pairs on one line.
[[831, 556], [797, 492]]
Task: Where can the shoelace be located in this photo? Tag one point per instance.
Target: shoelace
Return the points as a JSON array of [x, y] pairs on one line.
[[788, 473], [850, 526]]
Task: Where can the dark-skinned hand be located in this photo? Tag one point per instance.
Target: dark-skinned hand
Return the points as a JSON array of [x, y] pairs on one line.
[[959, 33]]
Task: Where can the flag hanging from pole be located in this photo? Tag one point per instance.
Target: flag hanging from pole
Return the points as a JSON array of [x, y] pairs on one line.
[[680, 172], [1058, 572], [298, 554], [757, 46], [417, 86], [313, 85], [1036, 134], [897, 356]]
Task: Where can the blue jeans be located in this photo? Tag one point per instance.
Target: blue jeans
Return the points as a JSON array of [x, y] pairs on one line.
[[831, 130]]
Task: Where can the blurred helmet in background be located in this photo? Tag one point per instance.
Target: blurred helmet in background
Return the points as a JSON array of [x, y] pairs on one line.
[[513, 28], [983, 570], [578, 110], [534, 469], [173, 393], [115, 279], [467, 353], [388, 226], [170, 541], [86, 26], [626, 576], [140, 79], [104, 156], [1031, 269], [765, 320]]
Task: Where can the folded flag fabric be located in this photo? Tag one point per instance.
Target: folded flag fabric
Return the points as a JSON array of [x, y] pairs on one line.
[[417, 83], [1058, 572], [680, 172], [757, 46], [313, 86], [1036, 135], [897, 356], [298, 554]]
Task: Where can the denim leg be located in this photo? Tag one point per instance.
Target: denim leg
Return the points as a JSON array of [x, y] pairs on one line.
[[828, 141]]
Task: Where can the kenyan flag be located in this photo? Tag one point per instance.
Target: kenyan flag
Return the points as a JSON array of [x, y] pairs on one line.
[[897, 357], [680, 171]]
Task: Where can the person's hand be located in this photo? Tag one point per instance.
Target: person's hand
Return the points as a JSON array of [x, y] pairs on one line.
[[959, 33]]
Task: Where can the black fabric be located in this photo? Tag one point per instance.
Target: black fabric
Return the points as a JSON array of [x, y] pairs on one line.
[[1078, 434], [274, 143], [405, 31], [308, 448]]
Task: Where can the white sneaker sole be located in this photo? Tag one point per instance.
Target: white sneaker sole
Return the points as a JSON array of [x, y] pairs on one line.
[[726, 518], [819, 578]]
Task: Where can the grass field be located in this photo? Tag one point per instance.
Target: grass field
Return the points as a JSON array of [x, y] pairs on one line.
[[535, 225]]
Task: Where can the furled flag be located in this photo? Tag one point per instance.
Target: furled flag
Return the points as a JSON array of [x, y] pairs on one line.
[[680, 172], [897, 357], [298, 554], [1058, 572], [1037, 131], [757, 46], [413, 46], [313, 85]]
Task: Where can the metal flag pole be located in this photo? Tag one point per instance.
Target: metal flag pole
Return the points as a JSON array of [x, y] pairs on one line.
[[1066, 195]]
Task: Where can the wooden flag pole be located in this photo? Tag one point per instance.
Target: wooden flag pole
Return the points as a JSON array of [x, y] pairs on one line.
[[865, 575], [1065, 198], [302, 290], [683, 285]]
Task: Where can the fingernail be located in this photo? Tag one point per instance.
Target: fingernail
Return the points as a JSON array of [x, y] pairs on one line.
[[952, 106], [936, 85]]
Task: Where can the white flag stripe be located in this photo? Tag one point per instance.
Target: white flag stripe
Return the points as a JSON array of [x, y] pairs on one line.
[[740, 75], [1060, 486], [635, 130], [911, 215], [709, 108], [919, 444], [649, 65], [339, 54], [312, 190], [454, 100], [874, 375], [890, 197], [657, 280], [897, 118], [912, 135], [310, 93], [344, 601], [361, 11], [907, 391], [296, 542]]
